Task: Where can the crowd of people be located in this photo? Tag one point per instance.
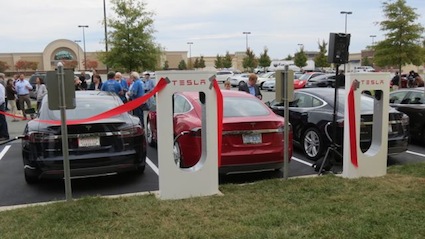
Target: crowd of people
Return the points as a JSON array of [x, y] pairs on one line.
[[127, 90], [413, 79], [14, 95]]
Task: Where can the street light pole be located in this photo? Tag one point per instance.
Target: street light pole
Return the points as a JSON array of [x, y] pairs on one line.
[[84, 42], [301, 46], [373, 38], [246, 34], [106, 31], [78, 53], [190, 54], [346, 13]]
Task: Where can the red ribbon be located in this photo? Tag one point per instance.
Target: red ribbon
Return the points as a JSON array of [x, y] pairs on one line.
[[112, 112], [219, 118], [352, 126]]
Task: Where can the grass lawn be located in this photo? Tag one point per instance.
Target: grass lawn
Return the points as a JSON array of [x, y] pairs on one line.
[[321, 207]]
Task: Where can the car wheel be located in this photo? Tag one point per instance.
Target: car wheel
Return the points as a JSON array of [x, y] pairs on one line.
[[177, 155], [149, 134], [30, 178], [312, 144], [141, 169], [261, 85], [241, 82]]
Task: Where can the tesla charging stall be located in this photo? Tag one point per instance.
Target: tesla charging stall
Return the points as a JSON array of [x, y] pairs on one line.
[[373, 162], [202, 178]]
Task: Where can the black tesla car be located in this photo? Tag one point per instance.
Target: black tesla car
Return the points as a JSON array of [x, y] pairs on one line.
[[326, 80], [103, 147], [311, 116], [411, 101]]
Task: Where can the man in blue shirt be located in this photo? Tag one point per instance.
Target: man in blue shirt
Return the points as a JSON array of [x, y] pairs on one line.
[[23, 88], [123, 83], [137, 90], [112, 85]]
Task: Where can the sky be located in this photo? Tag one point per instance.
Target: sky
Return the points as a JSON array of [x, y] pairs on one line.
[[214, 26]]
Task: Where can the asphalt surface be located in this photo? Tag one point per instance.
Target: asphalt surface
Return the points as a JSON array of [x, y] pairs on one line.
[[15, 191]]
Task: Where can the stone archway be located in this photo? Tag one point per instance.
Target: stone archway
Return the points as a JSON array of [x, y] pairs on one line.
[[59, 50]]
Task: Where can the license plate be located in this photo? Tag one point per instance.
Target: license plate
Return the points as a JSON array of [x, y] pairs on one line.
[[89, 142], [252, 138]]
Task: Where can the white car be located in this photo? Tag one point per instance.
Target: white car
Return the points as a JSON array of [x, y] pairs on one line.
[[222, 76], [264, 77], [239, 79], [269, 85]]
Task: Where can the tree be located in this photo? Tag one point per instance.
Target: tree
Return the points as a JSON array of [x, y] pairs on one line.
[[218, 63], [366, 61], [166, 66], [402, 39], [202, 62], [300, 59], [227, 60], [196, 63], [249, 62], [91, 64], [182, 65], [70, 63], [321, 59], [264, 60], [21, 65], [3, 66], [289, 57], [131, 41]]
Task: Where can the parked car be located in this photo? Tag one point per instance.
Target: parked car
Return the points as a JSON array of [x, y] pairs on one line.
[[326, 80], [311, 116], [223, 75], [269, 85], [411, 101], [102, 147], [264, 77], [252, 133], [239, 79], [302, 80], [32, 81]]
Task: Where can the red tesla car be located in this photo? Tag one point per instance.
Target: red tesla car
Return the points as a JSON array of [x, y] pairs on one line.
[[252, 137], [302, 80]]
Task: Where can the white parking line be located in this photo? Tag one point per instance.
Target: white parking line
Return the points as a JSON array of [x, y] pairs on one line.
[[414, 153], [302, 161], [4, 151], [152, 165]]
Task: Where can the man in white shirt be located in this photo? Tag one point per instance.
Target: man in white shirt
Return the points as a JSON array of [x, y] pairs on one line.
[[4, 132]]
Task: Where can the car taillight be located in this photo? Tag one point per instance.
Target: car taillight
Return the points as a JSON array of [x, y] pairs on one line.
[[131, 131]]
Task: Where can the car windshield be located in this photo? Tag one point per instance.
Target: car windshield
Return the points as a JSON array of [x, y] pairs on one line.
[[266, 75], [367, 102], [304, 77], [242, 107], [85, 108]]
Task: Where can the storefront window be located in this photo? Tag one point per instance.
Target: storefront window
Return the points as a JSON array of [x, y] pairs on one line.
[[63, 55]]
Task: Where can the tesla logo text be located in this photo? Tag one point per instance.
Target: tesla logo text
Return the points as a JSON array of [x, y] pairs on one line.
[[372, 82], [189, 82]]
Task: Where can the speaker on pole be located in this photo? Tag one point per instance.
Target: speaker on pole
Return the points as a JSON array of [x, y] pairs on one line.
[[338, 48]]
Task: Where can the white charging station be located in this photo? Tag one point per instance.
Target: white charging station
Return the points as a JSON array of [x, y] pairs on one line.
[[202, 178], [373, 162]]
